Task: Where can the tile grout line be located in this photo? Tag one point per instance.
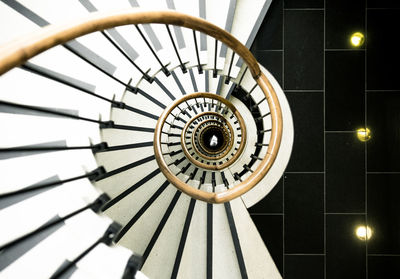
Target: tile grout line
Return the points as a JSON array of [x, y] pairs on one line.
[[324, 116], [365, 143], [304, 90], [303, 254], [304, 172], [304, 9]]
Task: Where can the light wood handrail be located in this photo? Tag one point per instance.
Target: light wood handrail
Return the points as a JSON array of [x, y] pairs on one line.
[[19, 51]]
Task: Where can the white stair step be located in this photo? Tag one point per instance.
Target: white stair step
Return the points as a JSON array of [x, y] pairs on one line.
[[42, 166], [57, 95], [64, 11], [23, 130], [131, 118], [194, 258], [115, 184], [39, 209], [22, 26], [146, 61], [69, 240], [123, 211], [138, 237], [170, 84], [185, 81], [26, 9], [115, 159], [191, 8], [120, 137], [105, 262], [160, 262], [157, 92], [217, 12], [258, 261], [247, 20], [224, 256], [164, 48]]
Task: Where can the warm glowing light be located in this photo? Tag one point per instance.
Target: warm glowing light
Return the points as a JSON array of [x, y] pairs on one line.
[[363, 232], [357, 39], [364, 134]]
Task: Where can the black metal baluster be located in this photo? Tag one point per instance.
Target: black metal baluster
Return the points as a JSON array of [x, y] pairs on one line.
[[145, 75], [183, 67], [215, 59], [92, 176], [58, 113], [228, 77], [124, 168], [66, 80], [163, 68], [95, 206], [199, 67], [95, 148], [107, 239]]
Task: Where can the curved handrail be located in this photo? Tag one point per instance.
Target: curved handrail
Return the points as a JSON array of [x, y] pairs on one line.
[[18, 52]]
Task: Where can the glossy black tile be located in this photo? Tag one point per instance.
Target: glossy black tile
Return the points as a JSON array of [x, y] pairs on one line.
[[303, 4], [272, 203], [383, 118], [342, 19], [344, 90], [308, 121], [270, 34], [271, 231], [383, 267], [383, 213], [304, 49], [272, 61], [345, 173], [383, 4], [304, 267], [345, 253], [383, 56], [304, 213]]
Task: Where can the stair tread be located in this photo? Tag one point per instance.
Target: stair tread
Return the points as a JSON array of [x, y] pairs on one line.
[[82, 230], [159, 263]]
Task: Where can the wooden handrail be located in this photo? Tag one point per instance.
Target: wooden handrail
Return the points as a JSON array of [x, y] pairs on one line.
[[18, 52]]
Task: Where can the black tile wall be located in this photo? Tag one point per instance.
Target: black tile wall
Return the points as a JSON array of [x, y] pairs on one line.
[[345, 252], [383, 56], [344, 90], [270, 228], [304, 49], [304, 213], [383, 267], [304, 267], [272, 60], [383, 4], [272, 203], [304, 4], [308, 120], [383, 118], [345, 173], [383, 205], [334, 182], [342, 19], [270, 36]]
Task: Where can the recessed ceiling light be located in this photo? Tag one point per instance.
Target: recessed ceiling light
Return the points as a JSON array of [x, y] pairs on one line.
[[364, 134], [363, 232], [357, 39]]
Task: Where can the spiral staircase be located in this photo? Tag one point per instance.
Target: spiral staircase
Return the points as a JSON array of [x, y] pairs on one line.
[[135, 135]]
